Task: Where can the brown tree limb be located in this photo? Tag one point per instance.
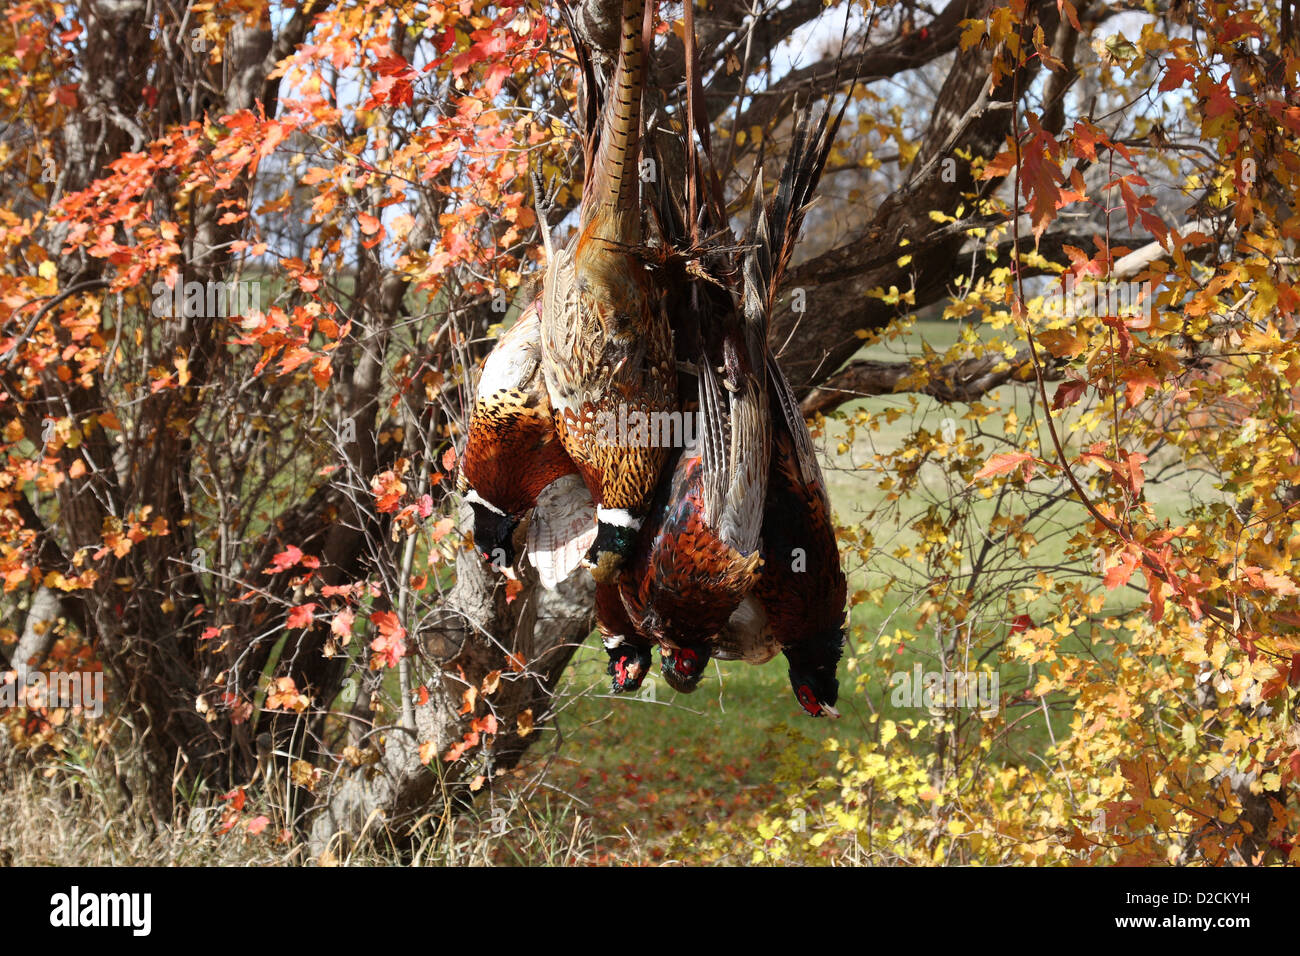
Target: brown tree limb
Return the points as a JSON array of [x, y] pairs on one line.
[[962, 381]]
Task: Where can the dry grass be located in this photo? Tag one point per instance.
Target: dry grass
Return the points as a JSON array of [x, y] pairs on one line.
[[58, 812], [62, 809]]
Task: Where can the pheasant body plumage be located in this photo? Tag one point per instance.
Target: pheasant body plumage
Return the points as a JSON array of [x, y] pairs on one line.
[[513, 463], [512, 451], [607, 347]]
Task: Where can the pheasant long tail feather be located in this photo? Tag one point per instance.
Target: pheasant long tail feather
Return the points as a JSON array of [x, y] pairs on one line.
[[701, 174], [612, 179], [784, 398], [590, 94], [804, 164]]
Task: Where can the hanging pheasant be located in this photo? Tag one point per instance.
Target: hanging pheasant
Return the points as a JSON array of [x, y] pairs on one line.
[[607, 348], [513, 463], [685, 591], [698, 555], [802, 589]]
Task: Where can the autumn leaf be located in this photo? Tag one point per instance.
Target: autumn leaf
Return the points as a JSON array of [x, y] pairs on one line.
[[388, 490], [458, 750], [301, 616], [467, 700], [284, 560], [283, 694], [1177, 73], [341, 626], [1118, 574], [390, 646], [1067, 393], [1005, 463]]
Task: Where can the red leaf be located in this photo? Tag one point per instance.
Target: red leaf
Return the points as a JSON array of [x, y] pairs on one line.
[[301, 616], [341, 626], [390, 646], [456, 751], [1121, 572], [1068, 392], [284, 560], [487, 724], [1177, 73]]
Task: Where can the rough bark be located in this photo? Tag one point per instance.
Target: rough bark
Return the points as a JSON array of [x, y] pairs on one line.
[[470, 639]]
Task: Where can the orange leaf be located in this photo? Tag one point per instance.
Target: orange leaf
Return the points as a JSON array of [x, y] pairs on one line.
[[468, 699], [1003, 463]]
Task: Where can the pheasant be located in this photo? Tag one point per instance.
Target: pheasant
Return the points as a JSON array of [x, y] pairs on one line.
[[797, 605], [629, 652], [513, 462], [691, 590], [607, 347], [802, 589], [698, 555]]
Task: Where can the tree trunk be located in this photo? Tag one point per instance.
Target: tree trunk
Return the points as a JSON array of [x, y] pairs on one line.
[[472, 639]]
